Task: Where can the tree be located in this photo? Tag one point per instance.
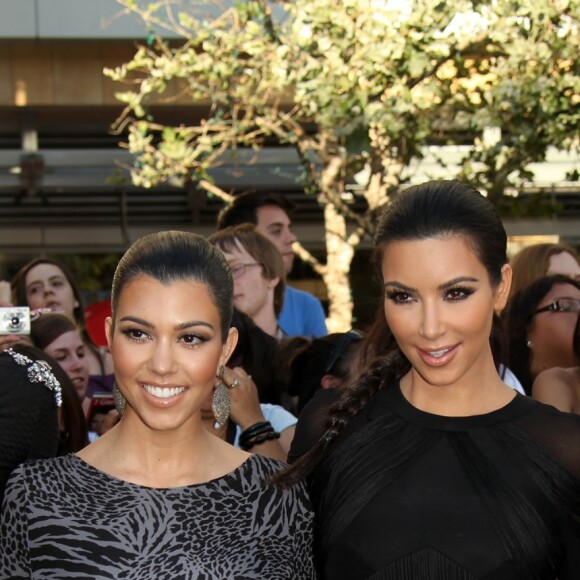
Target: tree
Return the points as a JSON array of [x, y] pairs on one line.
[[358, 88]]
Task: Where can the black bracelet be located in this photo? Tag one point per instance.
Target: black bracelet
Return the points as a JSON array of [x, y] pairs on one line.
[[256, 428], [259, 439], [245, 438]]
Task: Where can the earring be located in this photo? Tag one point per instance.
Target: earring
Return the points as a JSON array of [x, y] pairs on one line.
[[220, 404], [529, 343], [120, 401]]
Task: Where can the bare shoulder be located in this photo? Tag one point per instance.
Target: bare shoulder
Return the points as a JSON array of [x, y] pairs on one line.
[[557, 387]]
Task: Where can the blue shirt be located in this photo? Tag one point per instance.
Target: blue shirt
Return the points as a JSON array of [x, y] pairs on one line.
[[302, 314]]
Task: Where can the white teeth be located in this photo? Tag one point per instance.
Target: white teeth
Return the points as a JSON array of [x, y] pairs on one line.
[[163, 392], [439, 353]]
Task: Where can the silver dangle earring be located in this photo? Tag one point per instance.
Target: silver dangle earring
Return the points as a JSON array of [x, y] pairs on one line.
[[120, 401], [529, 343], [221, 404]]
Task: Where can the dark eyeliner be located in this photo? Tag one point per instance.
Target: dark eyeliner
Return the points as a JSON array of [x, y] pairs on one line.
[[398, 296], [131, 331], [465, 291]]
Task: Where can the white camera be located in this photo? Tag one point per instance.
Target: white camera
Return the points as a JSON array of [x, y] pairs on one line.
[[15, 320]]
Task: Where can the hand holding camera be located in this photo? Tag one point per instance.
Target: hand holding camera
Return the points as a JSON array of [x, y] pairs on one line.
[[10, 320]]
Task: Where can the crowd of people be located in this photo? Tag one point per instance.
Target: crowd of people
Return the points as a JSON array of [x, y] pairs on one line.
[[242, 440]]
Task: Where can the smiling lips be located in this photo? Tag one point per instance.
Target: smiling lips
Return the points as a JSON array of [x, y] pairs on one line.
[[163, 392], [440, 356]]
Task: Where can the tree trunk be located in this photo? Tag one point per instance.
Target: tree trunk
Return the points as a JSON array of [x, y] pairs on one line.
[[335, 274]]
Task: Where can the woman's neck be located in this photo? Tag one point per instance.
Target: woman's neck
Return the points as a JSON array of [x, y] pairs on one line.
[[477, 394], [132, 452]]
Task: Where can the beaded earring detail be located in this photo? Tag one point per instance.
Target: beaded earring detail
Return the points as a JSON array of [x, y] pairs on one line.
[[120, 401], [220, 404]]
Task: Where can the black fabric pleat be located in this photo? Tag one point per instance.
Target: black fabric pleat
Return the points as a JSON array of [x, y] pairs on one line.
[[381, 450], [523, 531], [424, 565]]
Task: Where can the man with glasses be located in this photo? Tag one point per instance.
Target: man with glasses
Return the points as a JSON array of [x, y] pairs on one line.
[[302, 313], [258, 272]]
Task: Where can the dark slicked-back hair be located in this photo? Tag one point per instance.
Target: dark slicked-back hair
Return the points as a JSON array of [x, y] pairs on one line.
[[243, 210], [174, 256], [440, 209]]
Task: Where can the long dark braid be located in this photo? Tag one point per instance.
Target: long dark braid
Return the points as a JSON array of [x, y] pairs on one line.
[[381, 373]]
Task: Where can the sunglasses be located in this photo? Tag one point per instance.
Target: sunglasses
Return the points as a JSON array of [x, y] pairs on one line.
[[342, 345], [561, 305]]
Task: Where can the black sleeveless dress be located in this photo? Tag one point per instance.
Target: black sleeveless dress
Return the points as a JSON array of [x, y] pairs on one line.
[[407, 495]]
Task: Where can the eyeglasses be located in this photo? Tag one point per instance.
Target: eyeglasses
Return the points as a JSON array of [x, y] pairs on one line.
[[561, 305], [239, 271], [343, 344]]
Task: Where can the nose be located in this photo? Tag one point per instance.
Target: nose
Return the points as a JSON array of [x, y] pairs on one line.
[[290, 237], [77, 363], [162, 360], [431, 326]]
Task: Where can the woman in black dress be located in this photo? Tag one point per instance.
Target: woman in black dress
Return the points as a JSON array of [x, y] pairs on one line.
[[431, 467]]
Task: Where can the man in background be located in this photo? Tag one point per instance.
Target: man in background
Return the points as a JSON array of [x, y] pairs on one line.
[[302, 313], [258, 273]]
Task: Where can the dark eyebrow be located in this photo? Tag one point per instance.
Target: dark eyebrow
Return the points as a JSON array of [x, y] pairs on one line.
[[444, 286], [193, 323], [50, 279], [182, 326], [456, 281], [400, 285], [136, 321]]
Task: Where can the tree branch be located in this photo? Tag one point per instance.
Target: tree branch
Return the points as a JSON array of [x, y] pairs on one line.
[[227, 197]]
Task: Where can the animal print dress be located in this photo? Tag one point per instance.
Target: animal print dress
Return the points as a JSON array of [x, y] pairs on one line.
[[63, 518]]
